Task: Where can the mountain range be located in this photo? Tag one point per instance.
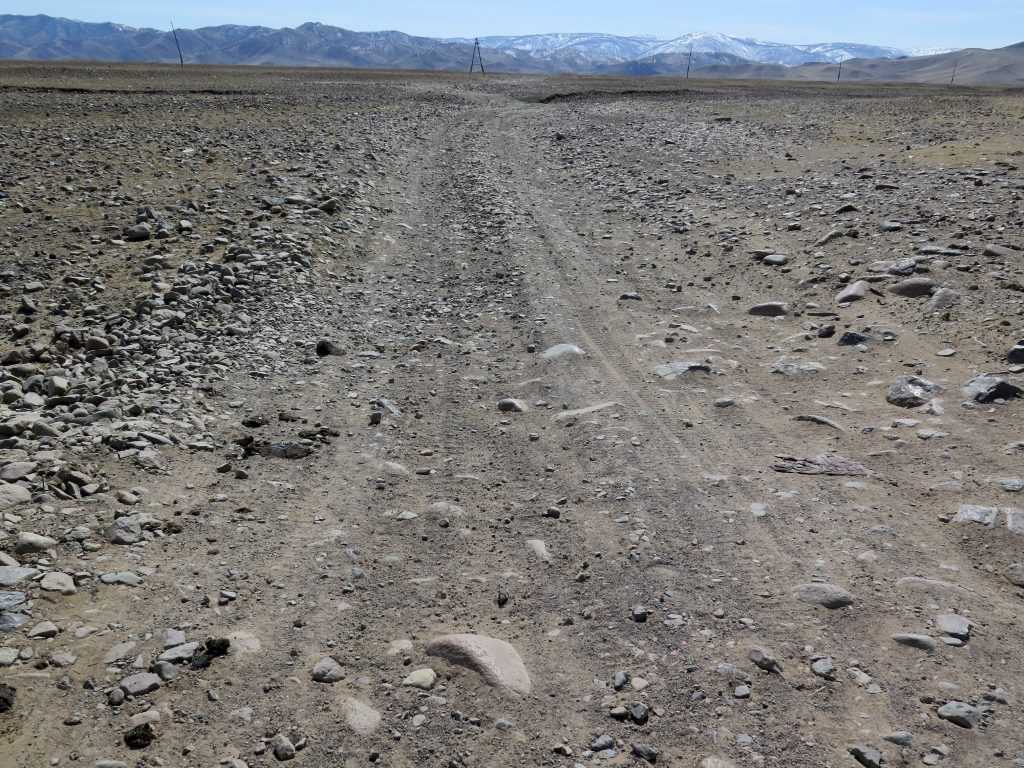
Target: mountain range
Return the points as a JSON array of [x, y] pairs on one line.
[[713, 54]]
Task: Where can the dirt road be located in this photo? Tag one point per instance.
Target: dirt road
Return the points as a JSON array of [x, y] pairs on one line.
[[564, 364]]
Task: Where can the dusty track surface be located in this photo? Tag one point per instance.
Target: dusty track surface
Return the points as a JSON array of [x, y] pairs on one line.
[[287, 390]]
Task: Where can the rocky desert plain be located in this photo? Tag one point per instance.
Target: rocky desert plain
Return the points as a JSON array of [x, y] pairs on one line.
[[399, 419]]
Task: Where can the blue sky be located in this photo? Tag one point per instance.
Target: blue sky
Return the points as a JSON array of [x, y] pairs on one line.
[[899, 23]]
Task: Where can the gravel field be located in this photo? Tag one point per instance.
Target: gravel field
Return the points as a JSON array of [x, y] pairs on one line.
[[359, 418]]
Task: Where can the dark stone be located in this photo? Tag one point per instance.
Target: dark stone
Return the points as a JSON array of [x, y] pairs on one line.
[[911, 391], [6, 698], [638, 712], [326, 347], [645, 752], [867, 756], [217, 646], [140, 737], [1016, 353], [852, 339], [10, 600], [826, 332], [286, 450], [987, 387]]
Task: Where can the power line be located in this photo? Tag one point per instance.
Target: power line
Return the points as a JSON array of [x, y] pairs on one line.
[[476, 55], [180, 57]]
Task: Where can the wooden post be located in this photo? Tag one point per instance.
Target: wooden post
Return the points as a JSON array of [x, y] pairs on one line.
[[840, 75], [176, 43], [956, 61], [688, 60]]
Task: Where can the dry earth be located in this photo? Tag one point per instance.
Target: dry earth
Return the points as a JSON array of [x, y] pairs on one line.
[[278, 369]]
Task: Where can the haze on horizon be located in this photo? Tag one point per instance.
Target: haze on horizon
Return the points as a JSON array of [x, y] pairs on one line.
[[899, 23]]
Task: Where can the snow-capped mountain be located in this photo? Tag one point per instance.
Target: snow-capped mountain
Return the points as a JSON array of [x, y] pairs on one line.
[[315, 44], [589, 44], [604, 49]]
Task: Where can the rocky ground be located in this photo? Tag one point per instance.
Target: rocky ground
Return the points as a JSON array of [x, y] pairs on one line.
[[392, 419]]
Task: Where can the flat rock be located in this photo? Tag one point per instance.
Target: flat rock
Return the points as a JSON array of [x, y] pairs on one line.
[[972, 513], [903, 738], [119, 651], [672, 371], [988, 387], [360, 717], [913, 288], [960, 713], [29, 543], [562, 350], [921, 642], [55, 581], [1014, 573], [179, 654], [853, 292], [932, 586], [125, 578], [44, 629], [139, 684], [17, 470], [954, 625], [11, 495], [496, 661], [577, 412], [10, 600], [830, 596], [13, 574], [770, 309], [716, 762]]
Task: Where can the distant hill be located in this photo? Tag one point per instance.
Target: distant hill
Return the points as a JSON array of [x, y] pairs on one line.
[[312, 44], [974, 66]]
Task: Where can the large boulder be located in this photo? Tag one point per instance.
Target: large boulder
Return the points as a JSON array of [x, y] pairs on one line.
[[911, 391], [497, 662]]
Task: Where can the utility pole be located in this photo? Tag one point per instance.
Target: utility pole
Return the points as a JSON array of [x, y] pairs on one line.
[[176, 43], [956, 61], [476, 55], [688, 60], [840, 75]]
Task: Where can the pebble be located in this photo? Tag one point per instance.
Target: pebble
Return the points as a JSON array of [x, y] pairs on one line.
[[327, 670], [903, 738], [824, 668], [423, 679], [512, 405]]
